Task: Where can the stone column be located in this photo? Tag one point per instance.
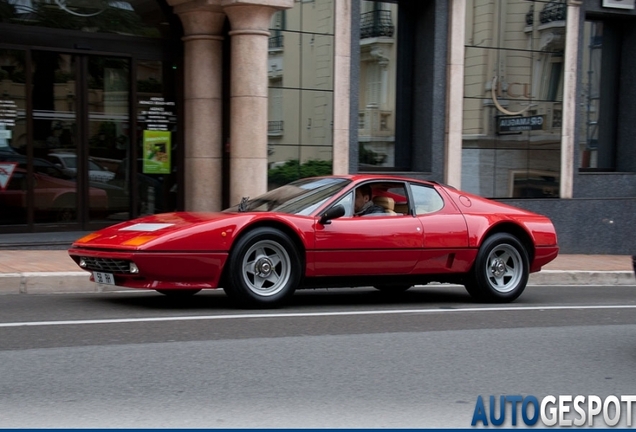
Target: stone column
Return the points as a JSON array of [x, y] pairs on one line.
[[342, 87], [568, 130], [249, 21], [203, 146], [455, 94]]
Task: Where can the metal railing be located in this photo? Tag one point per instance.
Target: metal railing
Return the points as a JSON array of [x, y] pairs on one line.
[[377, 23], [276, 42], [555, 10], [275, 127]]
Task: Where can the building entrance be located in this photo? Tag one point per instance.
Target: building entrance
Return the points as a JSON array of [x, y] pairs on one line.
[[86, 139]]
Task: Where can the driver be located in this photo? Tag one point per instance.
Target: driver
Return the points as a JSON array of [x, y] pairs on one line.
[[363, 204]]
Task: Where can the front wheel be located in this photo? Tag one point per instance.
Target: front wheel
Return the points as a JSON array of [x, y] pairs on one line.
[[264, 268], [501, 270]]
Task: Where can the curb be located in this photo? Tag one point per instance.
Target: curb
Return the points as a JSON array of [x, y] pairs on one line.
[[78, 282], [47, 283], [582, 277]]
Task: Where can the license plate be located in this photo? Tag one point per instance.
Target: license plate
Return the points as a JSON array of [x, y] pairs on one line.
[[104, 278]]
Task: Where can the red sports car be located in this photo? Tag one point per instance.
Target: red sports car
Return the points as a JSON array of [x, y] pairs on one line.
[[307, 234]]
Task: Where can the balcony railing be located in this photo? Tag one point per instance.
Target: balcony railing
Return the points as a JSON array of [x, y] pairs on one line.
[[275, 127], [555, 10], [375, 122], [276, 42], [377, 23]]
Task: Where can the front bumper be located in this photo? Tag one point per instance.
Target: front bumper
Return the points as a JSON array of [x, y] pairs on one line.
[[157, 270]]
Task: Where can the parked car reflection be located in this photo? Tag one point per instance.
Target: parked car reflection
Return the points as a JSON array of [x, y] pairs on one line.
[[55, 198], [67, 162], [109, 200], [55, 193]]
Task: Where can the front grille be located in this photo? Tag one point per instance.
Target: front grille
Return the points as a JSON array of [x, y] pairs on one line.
[[108, 265]]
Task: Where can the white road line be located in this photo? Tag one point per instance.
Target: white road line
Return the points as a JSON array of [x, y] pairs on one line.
[[310, 315]]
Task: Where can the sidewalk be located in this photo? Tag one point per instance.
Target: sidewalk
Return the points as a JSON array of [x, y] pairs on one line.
[[52, 271]]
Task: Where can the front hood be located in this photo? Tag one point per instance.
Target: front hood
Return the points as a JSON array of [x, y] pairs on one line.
[[169, 231]]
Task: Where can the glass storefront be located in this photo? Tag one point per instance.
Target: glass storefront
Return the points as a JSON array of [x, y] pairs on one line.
[[300, 123], [513, 98], [86, 139], [132, 17]]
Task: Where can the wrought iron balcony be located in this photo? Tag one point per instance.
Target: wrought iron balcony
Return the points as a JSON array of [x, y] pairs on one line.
[[276, 42], [377, 23], [275, 127], [555, 10]]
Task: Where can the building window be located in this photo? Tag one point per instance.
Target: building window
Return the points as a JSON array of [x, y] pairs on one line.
[[378, 67], [300, 72], [513, 98]]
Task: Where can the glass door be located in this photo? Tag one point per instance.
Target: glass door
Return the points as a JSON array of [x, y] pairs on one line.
[[81, 108], [54, 100], [107, 137]]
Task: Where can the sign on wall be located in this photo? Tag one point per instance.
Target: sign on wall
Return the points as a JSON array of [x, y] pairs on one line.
[[619, 4], [156, 152], [515, 124]]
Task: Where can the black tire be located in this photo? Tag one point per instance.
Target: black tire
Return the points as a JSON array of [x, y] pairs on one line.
[[501, 270], [393, 289], [65, 209], [179, 293], [264, 268], [65, 215]]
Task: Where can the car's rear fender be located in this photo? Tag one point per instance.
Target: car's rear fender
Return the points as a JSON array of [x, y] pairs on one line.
[[515, 230]]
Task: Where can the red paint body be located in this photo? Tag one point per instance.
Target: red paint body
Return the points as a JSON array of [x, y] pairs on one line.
[[192, 252]]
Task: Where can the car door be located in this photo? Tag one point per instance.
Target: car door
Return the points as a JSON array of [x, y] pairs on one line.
[[445, 233], [368, 245]]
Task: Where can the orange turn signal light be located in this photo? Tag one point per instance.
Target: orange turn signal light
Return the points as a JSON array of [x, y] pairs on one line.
[[139, 240], [88, 238]]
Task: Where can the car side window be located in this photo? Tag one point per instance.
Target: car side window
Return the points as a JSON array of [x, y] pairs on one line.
[[426, 199], [347, 202]]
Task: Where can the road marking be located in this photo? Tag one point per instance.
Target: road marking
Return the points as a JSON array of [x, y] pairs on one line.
[[310, 315]]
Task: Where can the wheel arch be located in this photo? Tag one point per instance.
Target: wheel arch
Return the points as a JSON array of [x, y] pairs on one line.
[[64, 199], [286, 229], [515, 230]]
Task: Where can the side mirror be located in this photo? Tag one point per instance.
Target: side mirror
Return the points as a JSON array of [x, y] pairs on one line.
[[332, 213]]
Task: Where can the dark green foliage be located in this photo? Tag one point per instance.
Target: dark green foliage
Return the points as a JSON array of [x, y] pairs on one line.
[[293, 170]]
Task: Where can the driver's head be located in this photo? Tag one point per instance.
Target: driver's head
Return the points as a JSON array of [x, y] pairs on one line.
[[363, 196]]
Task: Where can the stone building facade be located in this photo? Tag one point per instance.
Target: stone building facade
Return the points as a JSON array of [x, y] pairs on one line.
[[114, 109]]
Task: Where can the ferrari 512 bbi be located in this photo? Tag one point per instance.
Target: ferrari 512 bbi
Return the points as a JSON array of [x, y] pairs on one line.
[[387, 232]]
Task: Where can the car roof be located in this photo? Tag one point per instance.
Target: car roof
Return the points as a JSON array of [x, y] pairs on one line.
[[358, 178]]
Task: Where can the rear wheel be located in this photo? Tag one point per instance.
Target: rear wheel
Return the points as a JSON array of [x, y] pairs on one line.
[[264, 268], [500, 272]]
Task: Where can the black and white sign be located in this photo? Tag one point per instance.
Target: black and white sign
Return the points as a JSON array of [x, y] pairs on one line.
[[155, 113], [514, 124], [8, 112]]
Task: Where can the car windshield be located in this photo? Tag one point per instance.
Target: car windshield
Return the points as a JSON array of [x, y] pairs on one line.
[[69, 162], [301, 197]]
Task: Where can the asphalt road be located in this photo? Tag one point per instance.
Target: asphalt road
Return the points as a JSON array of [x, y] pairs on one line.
[[331, 358]]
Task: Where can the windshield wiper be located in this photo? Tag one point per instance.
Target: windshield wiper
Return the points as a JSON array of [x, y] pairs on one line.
[[242, 207]]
